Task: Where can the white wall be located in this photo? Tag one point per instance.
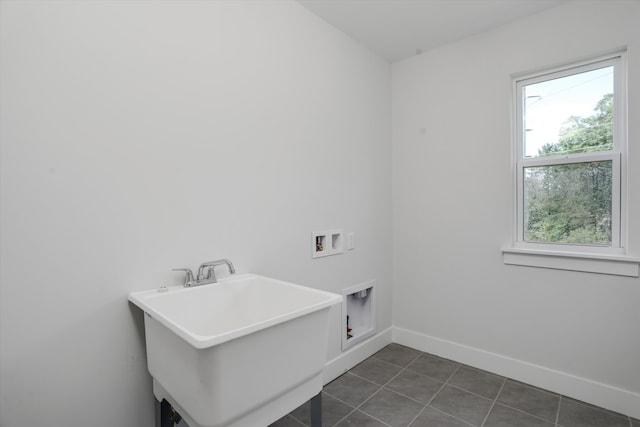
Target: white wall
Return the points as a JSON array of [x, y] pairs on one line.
[[141, 136], [574, 332], [136, 137]]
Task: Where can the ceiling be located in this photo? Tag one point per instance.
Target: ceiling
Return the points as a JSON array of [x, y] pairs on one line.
[[398, 29]]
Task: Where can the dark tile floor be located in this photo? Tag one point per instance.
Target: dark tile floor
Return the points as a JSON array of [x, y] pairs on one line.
[[401, 387]]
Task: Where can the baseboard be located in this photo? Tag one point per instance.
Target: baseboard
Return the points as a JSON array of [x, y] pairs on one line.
[[603, 395], [356, 354]]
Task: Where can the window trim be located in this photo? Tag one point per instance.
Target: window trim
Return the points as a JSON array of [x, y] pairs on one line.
[[617, 265], [590, 258]]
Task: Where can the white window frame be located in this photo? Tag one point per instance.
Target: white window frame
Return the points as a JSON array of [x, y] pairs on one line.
[[590, 258]]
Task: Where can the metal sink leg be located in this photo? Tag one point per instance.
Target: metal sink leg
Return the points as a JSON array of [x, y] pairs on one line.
[[316, 410]]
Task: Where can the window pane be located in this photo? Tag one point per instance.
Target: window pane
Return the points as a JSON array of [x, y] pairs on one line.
[[568, 203], [572, 114]]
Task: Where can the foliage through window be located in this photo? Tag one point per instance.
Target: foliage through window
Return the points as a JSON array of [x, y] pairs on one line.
[[569, 155]]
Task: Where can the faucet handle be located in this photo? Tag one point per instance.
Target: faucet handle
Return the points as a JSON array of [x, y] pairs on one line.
[[201, 271], [188, 278]]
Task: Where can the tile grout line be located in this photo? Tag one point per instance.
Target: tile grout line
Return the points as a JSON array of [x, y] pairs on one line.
[[453, 373], [486, 417], [444, 383], [448, 415], [513, 408], [558, 411], [357, 408], [527, 413], [434, 396], [297, 420], [368, 415], [552, 422], [548, 392], [393, 391], [495, 400], [354, 408], [406, 368], [439, 390], [471, 392], [460, 365], [447, 382]]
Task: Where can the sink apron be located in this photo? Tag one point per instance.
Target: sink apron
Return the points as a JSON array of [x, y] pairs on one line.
[[249, 381]]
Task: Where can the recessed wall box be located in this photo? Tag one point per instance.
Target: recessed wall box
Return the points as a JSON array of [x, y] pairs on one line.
[[328, 242], [358, 313], [336, 242], [319, 246]]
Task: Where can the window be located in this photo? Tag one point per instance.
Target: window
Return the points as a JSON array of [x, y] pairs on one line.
[[570, 152]]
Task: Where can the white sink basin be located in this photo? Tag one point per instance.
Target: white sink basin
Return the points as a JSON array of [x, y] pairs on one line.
[[242, 352]]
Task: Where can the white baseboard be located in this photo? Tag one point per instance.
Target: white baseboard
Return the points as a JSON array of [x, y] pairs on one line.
[[599, 394], [356, 354]]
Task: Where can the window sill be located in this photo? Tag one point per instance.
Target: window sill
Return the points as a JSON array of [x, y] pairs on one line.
[[591, 263]]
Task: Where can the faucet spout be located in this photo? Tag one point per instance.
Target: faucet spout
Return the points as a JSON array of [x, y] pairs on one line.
[[232, 269], [206, 273], [206, 270]]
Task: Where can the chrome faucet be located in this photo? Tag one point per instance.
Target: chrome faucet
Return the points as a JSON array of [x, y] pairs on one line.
[[206, 273], [209, 267]]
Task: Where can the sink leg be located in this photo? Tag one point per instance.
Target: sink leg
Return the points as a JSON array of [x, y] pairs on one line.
[[165, 419], [164, 416], [316, 410]]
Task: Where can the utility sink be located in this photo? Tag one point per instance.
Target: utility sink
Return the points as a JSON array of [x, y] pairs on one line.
[[242, 352]]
